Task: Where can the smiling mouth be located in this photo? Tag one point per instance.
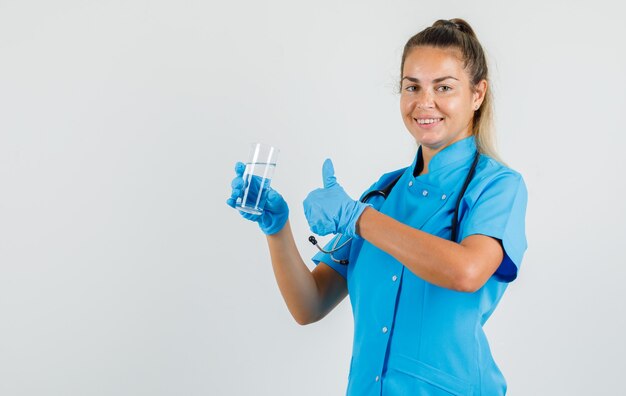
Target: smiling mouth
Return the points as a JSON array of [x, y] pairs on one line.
[[427, 122]]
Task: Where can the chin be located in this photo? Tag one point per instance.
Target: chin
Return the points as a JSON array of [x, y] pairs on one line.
[[433, 145], [433, 142]]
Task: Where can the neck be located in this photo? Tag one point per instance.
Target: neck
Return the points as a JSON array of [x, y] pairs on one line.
[[427, 155], [429, 152]]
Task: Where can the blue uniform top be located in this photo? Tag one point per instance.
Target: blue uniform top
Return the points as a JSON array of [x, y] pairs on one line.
[[412, 337]]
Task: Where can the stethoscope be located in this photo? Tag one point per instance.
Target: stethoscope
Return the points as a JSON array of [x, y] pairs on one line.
[[384, 192]]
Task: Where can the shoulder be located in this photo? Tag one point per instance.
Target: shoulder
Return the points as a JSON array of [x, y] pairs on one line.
[[491, 173], [495, 184]]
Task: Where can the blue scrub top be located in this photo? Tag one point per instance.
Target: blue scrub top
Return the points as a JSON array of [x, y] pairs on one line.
[[412, 337]]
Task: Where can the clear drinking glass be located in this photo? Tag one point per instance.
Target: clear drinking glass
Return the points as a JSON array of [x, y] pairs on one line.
[[257, 178]]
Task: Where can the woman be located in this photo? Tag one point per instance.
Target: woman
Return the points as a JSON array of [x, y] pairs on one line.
[[426, 266]]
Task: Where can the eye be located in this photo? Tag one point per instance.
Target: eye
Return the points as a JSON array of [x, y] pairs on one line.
[[444, 88]]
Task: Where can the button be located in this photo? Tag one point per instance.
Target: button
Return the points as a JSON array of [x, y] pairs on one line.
[[410, 183], [425, 192], [377, 378], [394, 278], [444, 196], [385, 329]]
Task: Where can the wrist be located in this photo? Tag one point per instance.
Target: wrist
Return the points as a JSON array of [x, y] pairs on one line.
[[276, 224], [285, 229], [364, 207]]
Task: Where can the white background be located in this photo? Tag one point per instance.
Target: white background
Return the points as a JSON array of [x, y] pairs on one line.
[[122, 270]]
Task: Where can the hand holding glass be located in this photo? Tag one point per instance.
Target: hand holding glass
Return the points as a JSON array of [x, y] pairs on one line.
[[257, 178]]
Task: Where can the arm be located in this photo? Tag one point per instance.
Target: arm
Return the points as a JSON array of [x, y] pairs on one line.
[[464, 266], [309, 295]]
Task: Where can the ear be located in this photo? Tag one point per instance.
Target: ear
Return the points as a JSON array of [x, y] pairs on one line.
[[480, 90]]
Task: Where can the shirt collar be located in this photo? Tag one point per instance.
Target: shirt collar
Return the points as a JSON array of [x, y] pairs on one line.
[[457, 151]]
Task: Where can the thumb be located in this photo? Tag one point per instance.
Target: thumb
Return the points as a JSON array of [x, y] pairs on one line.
[[328, 174], [273, 199]]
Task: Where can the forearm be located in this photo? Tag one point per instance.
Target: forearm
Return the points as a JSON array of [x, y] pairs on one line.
[[434, 259], [295, 281]]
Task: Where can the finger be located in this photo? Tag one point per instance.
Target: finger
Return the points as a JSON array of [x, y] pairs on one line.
[[250, 216], [231, 202], [308, 205], [320, 229], [237, 183], [240, 167], [236, 193], [328, 173]]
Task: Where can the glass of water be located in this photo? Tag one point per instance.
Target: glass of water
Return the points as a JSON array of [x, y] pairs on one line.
[[257, 178]]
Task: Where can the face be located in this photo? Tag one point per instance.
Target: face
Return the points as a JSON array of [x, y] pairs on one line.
[[437, 100]]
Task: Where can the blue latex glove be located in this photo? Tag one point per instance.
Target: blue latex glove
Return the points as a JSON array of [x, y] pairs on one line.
[[275, 212], [330, 210]]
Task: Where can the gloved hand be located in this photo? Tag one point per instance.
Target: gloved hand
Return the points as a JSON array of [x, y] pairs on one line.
[[330, 210], [275, 212]]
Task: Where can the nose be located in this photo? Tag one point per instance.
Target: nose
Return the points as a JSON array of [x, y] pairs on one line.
[[424, 100]]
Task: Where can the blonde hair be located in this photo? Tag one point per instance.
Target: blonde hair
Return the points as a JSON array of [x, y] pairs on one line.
[[457, 33]]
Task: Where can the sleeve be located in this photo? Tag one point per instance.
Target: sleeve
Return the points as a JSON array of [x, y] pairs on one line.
[[341, 254], [500, 212]]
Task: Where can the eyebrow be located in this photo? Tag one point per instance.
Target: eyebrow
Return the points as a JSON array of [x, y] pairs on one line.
[[436, 80]]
